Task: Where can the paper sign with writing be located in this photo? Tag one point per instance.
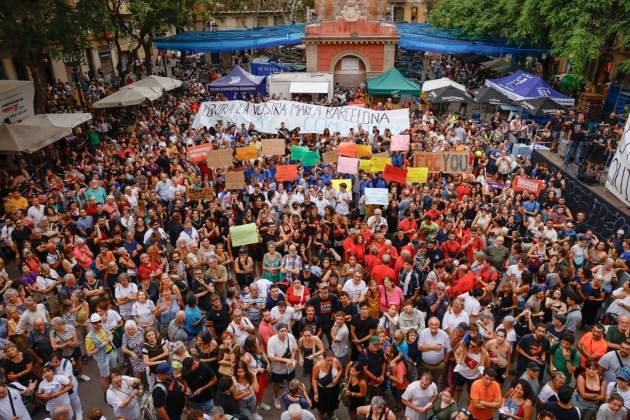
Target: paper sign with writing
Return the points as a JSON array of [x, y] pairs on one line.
[[194, 194], [297, 152], [337, 182], [246, 153], [400, 143], [378, 164], [330, 157], [244, 234], [310, 158], [234, 180], [199, 153], [286, 173], [347, 149], [417, 175], [378, 196], [273, 147], [221, 158], [381, 154], [365, 165], [347, 165], [364, 150], [395, 174], [447, 162], [521, 183]]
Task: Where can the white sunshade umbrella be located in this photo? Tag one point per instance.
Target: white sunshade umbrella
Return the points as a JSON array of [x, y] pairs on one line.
[[29, 138], [430, 85], [128, 96], [67, 120], [159, 83]]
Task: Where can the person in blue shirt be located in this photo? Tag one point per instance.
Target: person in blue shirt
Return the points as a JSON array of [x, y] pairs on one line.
[[531, 206]]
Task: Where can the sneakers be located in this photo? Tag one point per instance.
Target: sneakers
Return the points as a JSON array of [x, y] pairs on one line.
[[84, 378], [276, 403], [264, 407]]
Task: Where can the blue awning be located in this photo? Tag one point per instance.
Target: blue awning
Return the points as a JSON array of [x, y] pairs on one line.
[[413, 36]]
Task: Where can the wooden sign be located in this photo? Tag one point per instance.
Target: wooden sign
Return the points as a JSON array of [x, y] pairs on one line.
[[273, 147], [234, 180], [193, 194], [330, 157], [218, 159], [447, 162]]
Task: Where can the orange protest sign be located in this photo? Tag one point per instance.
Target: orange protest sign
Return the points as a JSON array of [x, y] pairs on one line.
[[246, 153], [199, 153], [286, 173], [347, 149], [364, 150]]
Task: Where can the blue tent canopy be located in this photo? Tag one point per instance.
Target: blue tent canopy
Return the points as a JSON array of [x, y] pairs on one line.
[[237, 81], [413, 36], [521, 86]]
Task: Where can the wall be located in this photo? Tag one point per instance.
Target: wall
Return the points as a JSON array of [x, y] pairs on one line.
[[326, 53]]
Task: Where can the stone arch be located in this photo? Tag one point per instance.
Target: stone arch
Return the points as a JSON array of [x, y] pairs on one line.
[[344, 54]]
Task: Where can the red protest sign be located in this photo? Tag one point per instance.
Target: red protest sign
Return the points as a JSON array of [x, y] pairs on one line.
[[521, 183], [199, 153], [395, 174], [286, 173]]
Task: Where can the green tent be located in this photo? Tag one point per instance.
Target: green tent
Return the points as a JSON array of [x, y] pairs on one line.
[[392, 82]]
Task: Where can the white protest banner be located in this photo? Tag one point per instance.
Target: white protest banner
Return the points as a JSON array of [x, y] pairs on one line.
[[618, 180], [378, 196], [16, 100], [267, 116]]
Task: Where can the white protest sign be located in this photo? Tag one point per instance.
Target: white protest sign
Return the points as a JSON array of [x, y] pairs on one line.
[[16, 100], [618, 181], [378, 196], [267, 116]]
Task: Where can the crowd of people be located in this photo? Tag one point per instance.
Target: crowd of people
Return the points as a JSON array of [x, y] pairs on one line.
[[461, 299]]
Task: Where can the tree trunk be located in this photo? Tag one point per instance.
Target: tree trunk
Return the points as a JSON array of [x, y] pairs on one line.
[[39, 79], [122, 70], [148, 57]]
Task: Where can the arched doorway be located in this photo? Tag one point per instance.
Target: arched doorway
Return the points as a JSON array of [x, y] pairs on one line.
[[349, 69]]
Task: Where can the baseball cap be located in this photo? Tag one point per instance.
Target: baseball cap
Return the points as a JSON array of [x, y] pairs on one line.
[[624, 374], [374, 340], [163, 369], [621, 232], [323, 286], [95, 318], [533, 366], [187, 365]]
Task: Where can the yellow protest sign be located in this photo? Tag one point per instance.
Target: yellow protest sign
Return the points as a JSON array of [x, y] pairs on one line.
[[336, 182], [378, 164], [417, 175], [244, 234], [365, 164]]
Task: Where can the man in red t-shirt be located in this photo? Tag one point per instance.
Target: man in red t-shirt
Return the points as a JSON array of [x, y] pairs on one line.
[[464, 283], [380, 271], [451, 248]]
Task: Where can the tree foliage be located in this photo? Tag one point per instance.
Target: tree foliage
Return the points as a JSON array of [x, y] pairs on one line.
[[580, 30]]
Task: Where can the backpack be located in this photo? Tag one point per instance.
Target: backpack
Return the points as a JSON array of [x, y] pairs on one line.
[[411, 374], [147, 408]]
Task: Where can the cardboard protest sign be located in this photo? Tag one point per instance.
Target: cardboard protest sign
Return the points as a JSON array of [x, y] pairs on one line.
[[400, 143], [447, 162], [273, 147], [417, 175], [337, 182], [330, 157], [395, 174], [347, 165], [347, 149], [234, 180], [244, 234], [521, 183], [246, 153], [378, 196], [195, 194], [364, 150], [221, 158], [286, 173], [197, 154]]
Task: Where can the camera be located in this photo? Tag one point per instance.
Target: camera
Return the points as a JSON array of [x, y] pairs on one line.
[[135, 385]]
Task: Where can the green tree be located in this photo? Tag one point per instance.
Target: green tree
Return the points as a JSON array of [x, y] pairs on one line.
[[30, 30], [580, 30]]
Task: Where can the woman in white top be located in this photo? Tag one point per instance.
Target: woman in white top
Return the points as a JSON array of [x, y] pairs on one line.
[[246, 386], [143, 311], [63, 367], [471, 360], [54, 389], [454, 316]]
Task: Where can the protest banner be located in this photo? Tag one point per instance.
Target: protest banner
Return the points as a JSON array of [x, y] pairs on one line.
[[400, 143], [395, 174], [198, 194], [246, 152], [330, 157], [297, 152], [16, 100], [244, 234], [618, 179], [310, 158], [378, 164], [521, 183], [378, 196], [417, 175], [337, 182], [197, 154], [286, 173], [220, 158], [447, 162], [273, 147], [347, 165], [234, 180], [347, 149], [364, 150], [267, 116]]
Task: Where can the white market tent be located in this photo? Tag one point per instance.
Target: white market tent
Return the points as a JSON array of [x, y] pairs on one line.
[[128, 96], [430, 85], [158, 83], [68, 120], [29, 138]]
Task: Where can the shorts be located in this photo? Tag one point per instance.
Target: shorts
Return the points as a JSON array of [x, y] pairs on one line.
[[205, 406], [460, 381], [111, 360], [278, 378]]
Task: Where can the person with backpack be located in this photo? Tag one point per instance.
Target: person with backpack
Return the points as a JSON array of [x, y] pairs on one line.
[[11, 403], [63, 366], [169, 398]]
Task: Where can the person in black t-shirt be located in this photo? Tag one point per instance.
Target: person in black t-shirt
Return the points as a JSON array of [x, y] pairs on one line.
[[373, 363], [532, 348], [326, 304], [362, 327], [201, 381], [562, 409], [168, 395], [224, 398], [348, 308], [218, 315], [309, 320]]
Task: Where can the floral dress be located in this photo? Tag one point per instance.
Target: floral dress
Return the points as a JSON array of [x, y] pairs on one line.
[[134, 343]]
